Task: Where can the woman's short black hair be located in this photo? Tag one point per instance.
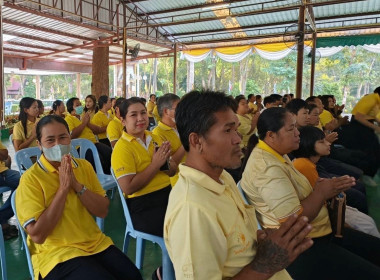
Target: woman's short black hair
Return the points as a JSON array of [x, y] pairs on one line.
[[128, 102], [271, 119], [295, 105], [70, 104], [196, 113], [308, 136], [47, 120]]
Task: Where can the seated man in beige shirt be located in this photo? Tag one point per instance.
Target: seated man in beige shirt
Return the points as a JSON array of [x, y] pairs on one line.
[[209, 232]]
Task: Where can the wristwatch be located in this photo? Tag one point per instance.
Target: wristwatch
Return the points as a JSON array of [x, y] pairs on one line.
[[81, 191]]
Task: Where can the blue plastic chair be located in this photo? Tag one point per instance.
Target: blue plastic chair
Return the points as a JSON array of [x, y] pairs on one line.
[[2, 256], [23, 236], [167, 266], [107, 181], [22, 158], [243, 195]]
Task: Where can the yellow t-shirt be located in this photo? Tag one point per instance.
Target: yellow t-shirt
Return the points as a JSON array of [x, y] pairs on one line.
[[368, 105], [244, 127], [276, 189], [76, 234], [209, 232], [111, 113], [149, 107], [170, 134], [155, 114], [253, 106], [18, 132], [2, 163], [130, 156], [308, 169], [114, 129], [100, 119], [325, 117], [86, 133]]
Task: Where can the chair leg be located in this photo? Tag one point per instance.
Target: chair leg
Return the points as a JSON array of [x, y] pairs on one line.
[[140, 250], [100, 222], [2, 256], [126, 242], [167, 267]]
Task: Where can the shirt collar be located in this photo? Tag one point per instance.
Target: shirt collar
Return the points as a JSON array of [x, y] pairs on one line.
[[164, 126], [148, 138], [203, 179], [264, 146], [47, 167]]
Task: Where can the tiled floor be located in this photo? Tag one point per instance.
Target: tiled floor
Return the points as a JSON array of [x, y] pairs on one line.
[[115, 228]]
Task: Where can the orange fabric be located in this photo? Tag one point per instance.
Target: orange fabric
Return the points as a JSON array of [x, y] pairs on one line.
[[308, 169]]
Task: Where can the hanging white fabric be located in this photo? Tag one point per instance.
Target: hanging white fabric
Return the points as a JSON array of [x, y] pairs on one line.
[[234, 57], [194, 58], [329, 51], [273, 55], [372, 48]]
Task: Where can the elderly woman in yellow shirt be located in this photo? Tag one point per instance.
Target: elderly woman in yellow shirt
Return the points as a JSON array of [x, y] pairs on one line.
[[56, 201], [24, 132], [278, 190]]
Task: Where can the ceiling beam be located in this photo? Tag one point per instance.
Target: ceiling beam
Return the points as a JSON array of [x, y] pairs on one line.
[[249, 13], [47, 30], [29, 46], [35, 38]]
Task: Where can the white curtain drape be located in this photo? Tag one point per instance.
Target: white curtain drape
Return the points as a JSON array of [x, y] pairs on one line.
[[273, 55], [194, 58], [329, 51], [234, 57], [372, 48]]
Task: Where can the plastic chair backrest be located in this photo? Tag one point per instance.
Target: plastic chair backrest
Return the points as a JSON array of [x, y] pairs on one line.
[[22, 158], [84, 145], [242, 193], [11, 139], [125, 206], [2, 256], [23, 236]]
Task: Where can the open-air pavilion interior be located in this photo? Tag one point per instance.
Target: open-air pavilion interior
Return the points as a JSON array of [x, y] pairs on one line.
[[88, 36]]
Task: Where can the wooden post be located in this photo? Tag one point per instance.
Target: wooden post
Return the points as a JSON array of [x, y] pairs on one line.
[[175, 69], [38, 87], [78, 86], [312, 70], [1, 66], [124, 94], [300, 50], [100, 71]]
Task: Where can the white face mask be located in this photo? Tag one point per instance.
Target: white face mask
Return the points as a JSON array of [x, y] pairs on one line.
[[56, 152]]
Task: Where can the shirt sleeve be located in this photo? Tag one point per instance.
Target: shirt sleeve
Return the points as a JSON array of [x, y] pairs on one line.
[[196, 244], [30, 201], [123, 162], [112, 132], [245, 126], [18, 133], [277, 191], [70, 123]]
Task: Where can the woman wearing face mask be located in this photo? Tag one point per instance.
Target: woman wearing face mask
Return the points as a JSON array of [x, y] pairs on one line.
[[24, 132], [84, 129], [56, 201]]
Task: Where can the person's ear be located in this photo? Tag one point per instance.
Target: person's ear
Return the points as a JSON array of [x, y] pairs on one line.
[[270, 136], [195, 142]]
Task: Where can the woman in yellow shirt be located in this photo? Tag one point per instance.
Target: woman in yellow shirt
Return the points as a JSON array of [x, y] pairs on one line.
[[102, 119], [24, 132], [278, 190], [56, 201], [139, 161], [90, 106], [58, 108]]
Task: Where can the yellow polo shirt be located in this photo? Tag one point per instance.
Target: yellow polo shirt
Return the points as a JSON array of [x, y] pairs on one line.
[[18, 132], [276, 189], [114, 129], [155, 114], [2, 163], [76, 233], [149, 107], [253, 106], [244, 127], [170, 134], [209, 232], [368, 105], [111, 113], [308, 169], [100, 119], [86, 133], [130, 156], [325, 117]]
